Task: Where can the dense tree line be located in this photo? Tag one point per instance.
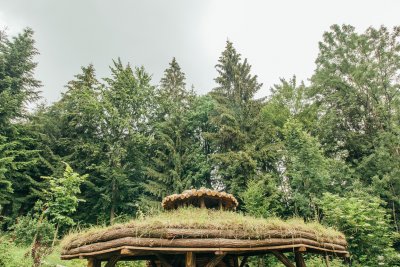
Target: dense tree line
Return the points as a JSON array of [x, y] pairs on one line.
[[328, 151]]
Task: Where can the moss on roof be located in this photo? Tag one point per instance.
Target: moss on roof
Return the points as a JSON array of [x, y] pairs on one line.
[[223, 223]]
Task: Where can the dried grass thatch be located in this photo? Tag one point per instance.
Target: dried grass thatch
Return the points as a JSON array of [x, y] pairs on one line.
[[203, 228], [228, 201]]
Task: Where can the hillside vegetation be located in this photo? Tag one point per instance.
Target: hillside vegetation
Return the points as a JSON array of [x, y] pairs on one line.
[[324, 151]]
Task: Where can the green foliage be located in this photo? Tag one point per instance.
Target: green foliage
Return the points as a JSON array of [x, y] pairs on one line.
[[5, 163], [17, 83], [139, 141], [307, 169], [261, 199], [318, 261], [356, 87], [178, 160], [20, 162], [63, 196], [11, 255], [233, 119], [365, 223], [26, 227]]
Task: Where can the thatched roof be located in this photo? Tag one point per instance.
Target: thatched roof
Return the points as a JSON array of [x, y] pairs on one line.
[[194, 229], [211, 197]]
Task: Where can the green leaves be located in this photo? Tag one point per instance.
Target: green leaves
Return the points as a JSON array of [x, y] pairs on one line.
[[62, 196], [364, 222], [280, 155]]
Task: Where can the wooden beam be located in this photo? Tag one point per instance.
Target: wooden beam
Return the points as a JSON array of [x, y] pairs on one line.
[[126, 251], [92, 262], [163, 260], [166, 246], [282, 258], [190, 260], [298, 256], [327, 261], [244, 260], [302, 249], [112, 261], [214, 261], [131, 252]]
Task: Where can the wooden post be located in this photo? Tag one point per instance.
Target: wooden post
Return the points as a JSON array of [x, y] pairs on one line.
[[282, 258], [190, 259], [220, 204], [112, 261], [244, 260], [93, 263], [217, 259], [202, 203], [327, 260], [235, 261], [298, 256]]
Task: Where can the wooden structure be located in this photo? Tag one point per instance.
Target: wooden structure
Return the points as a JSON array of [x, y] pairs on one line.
[[191, 247]]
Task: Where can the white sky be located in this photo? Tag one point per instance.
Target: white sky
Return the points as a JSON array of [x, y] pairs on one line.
[[279, 38]]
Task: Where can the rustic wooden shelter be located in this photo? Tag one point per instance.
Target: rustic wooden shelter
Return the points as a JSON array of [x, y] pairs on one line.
[[201, 228]]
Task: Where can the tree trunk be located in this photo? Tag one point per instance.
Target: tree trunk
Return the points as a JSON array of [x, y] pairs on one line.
[[94, 263], [113, 196], [55, 236]]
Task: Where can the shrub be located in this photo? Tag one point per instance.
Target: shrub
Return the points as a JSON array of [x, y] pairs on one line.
[[11, 255], [26, 228], [365, 223]]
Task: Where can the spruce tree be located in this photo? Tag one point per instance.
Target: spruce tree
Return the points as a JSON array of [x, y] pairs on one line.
[[20, 161], [232, 118], [177, 162]]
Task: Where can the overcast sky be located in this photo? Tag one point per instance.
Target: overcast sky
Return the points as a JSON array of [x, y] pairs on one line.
[[279, 38]]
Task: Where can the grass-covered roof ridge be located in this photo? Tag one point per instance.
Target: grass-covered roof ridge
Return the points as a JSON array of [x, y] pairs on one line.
[[192, 222]]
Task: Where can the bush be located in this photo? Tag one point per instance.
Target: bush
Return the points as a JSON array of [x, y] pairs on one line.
[[365, 223], [26, 228], [13, 256], [261, 197]]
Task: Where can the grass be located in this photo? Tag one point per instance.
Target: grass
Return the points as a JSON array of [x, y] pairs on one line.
[[195, 218], [12, 255]]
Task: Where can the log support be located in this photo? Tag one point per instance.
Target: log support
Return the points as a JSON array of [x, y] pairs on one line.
[[217, 259], [244, 260], [327, 261], [112, 261], [282, 258], [190, 259], [299, 259], [202, 203], [235, 261], [92, 262]]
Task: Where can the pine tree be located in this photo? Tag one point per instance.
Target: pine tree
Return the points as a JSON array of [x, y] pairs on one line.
[[173, 94], [233, 115], [20, 161], [178, 161]]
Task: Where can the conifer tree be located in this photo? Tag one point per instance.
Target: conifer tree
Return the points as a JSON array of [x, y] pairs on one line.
[[178, 162], [232, 118], [172, 92], [20, 161]]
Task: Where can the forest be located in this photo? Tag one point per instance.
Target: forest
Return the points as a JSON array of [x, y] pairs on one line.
[[111, 148]]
